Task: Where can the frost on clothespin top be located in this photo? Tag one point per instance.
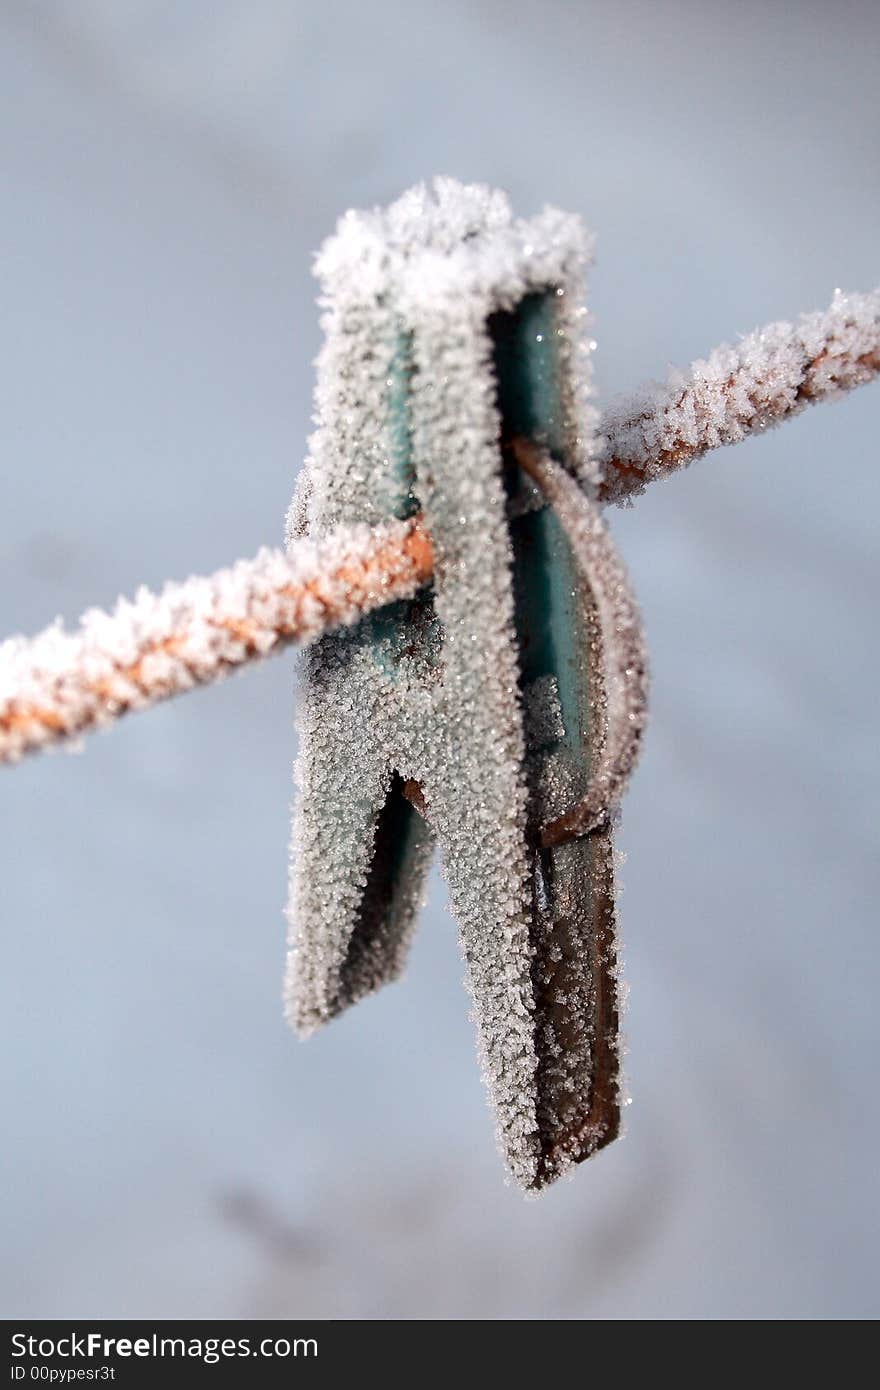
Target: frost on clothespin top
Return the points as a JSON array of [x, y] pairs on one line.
[[498, 713]]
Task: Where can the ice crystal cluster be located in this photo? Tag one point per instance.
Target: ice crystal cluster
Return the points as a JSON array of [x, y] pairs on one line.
[[424, 705]]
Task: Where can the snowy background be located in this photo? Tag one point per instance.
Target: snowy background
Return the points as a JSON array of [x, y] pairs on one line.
[[168, 1148]]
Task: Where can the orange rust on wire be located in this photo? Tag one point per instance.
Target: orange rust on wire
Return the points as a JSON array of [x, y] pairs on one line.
[[635, 474], [389, 562], [622, 476]]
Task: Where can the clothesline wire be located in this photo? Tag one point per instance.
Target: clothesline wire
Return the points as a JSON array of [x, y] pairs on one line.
[[59, 685]]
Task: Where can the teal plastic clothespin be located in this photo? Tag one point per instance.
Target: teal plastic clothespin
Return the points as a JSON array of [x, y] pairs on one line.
[[476, 715]]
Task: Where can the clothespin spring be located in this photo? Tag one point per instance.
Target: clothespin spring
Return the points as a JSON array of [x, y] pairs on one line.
[[621, 637]]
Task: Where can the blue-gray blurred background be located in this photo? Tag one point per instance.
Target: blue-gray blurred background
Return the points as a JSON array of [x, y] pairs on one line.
[[168, 1148]]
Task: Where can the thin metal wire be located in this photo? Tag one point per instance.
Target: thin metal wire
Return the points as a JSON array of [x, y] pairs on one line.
[[59, 685]]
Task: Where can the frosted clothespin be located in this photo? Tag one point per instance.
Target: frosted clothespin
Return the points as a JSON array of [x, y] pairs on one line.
[[498, 713]]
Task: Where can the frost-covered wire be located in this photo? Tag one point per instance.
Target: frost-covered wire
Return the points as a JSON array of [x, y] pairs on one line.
[[737, 391], [61, 684]]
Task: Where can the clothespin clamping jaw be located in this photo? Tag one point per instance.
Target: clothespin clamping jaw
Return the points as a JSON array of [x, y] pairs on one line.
[[498, 713]]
